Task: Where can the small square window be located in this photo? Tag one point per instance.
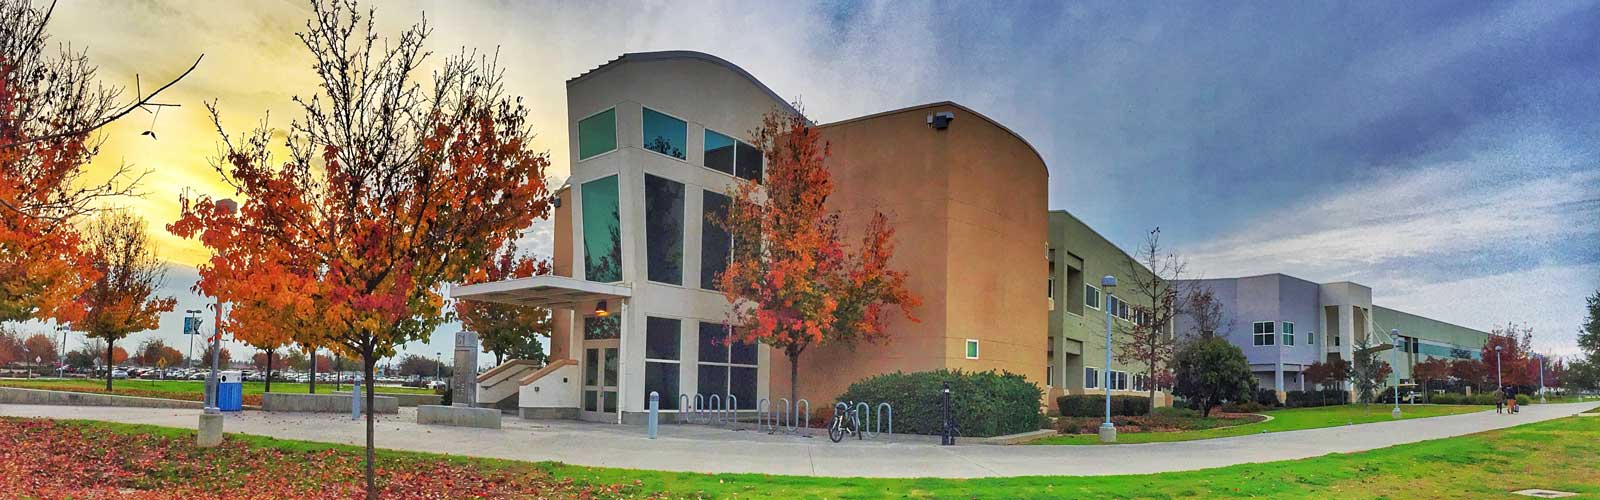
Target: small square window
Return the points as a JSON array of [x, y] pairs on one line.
[[1091, 297], [665, 134], [597, 134], [1091, 378], [972, 349]]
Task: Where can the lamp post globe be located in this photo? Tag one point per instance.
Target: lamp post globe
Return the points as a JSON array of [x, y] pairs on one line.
[[1108, 430]]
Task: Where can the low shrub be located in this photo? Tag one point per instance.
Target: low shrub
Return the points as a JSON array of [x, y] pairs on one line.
[[1171, 411], [983, 403], [1150, 423], [1267, 397], [1244, 407], [1524, 399], [1448, 398], [1088, 405], [1310, 399]]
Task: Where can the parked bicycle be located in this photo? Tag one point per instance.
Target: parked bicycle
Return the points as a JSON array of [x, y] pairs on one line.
[[844, 422]]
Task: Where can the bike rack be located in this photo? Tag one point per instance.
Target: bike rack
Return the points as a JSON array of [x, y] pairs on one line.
[[879, 416], [805, 424], [871, 421], [683, 407], [732, 409]]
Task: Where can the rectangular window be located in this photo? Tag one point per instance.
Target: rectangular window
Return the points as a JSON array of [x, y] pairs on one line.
[[663, 379], [1122, 310], [663, 226], [597, 134], [972, 349], [1091, 296], [1335, 340], [661, 338], [1091, 378], [716, 245], [726, 369], [601, 328], [1264, 334], [719, 152], [1112, 304], [1311, 338], [749, 162], [602, 231], [712, 349], [1288, 333], [664, 134]]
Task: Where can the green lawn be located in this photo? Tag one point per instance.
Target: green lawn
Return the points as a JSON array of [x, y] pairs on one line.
[[1282, 420], [187, 386], [1558, 454]]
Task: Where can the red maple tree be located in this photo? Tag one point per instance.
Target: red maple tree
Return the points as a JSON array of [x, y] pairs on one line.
[[792, 280], [390, 190], [1516, 365]]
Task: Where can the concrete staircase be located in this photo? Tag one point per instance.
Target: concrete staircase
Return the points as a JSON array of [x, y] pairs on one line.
[[498, 387]]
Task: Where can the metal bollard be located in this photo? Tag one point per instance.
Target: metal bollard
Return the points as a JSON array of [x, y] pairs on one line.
[[946, 439], [655, 411], [355, 401]]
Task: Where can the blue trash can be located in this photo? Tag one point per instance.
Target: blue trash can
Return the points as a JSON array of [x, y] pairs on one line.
[[230, 391]]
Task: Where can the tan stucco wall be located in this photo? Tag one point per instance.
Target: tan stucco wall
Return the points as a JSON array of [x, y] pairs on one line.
[[561, 265], [968, 205]]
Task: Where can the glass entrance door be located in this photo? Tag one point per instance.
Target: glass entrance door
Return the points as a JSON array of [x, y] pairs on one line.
[[600, 380]]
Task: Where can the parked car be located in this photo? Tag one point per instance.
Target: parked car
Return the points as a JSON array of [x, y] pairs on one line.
[[119, 374]]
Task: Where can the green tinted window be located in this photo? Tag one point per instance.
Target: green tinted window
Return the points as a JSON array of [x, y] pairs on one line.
[[602, 231], [664, 134], [719, 152], [597, 134]]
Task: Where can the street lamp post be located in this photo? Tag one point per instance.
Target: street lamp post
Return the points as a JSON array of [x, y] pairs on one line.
[[1541, 380], [1499, 383], [1394, 358], [1108, 430], [62, 329], [224, 206], [438, 366]]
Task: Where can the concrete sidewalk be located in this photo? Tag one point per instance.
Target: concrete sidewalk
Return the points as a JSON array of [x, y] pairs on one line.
[[694, 448]]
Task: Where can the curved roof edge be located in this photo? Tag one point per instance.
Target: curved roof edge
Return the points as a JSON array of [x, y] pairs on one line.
[[956, 105], [667, 55]]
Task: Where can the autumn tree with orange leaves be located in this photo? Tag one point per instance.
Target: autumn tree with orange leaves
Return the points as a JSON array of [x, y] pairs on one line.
[[505, 329], [390, 190], [800, 285], [122, 299], [51, 104]]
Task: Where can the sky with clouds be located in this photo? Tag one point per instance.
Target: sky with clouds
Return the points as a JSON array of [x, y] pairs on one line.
[[1444, 153]]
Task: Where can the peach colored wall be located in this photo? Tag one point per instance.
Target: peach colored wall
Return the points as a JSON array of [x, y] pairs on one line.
[[968, 205]]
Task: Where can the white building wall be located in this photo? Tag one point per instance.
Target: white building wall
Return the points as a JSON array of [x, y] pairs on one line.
[[703, 94]]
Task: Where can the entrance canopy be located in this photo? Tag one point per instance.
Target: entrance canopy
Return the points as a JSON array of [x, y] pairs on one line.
[[542, 291]]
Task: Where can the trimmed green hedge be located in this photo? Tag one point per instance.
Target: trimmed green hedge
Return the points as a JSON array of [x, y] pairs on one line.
[[1088, 405], [1324, 397], [1487, 399], [983, 403]]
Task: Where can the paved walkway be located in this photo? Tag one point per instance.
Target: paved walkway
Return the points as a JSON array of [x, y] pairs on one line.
[[709, 449]]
